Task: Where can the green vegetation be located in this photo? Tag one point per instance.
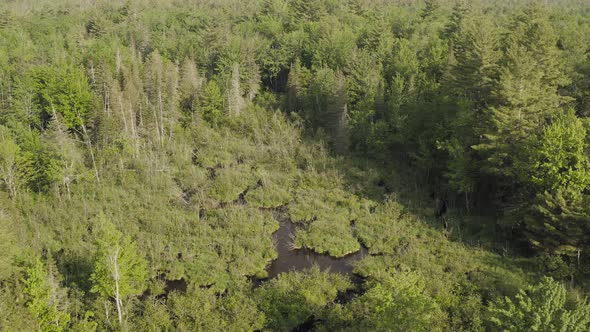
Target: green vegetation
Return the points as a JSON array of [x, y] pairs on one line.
[[540, 308], [290, 299], [149, 150], [396, 303]]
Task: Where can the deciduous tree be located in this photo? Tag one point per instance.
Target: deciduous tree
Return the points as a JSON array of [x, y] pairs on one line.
[[120, 270]]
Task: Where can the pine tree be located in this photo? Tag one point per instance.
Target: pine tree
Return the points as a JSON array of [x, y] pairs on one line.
[[454, 27], [307, 10], [430, 7], [296, 86], [337, 115], [212, 103], [477, 54], [540, 308], [129, 102], [64, 90], [190, 88], [558, 223], [252, 81], [526, 92], [120, 270], [559, 169], [472, 78]]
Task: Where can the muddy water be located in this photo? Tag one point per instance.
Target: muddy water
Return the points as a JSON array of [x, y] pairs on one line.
[[291, 259]]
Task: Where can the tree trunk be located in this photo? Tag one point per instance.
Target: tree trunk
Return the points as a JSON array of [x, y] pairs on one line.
[[161, 108], [116, 276], [106, 311], [89, 143]]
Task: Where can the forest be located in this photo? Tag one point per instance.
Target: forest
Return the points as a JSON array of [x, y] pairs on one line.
[[295, 165]]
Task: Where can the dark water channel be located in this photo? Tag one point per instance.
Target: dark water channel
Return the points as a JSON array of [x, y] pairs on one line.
[[291, 259]]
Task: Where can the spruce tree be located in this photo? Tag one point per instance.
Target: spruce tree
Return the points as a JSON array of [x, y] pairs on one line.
[[527, 93], [296, 86], [430, 7], [212, 103], [558, 222], [477, 54], [540, 308], [337, 114]]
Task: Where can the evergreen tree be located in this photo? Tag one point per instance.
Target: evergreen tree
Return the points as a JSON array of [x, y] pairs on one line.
[[162, 90], [337, 115], [296, 86], [472, 79], [454, 27], [38, 166], [477, 54], [540, 308], [63, 90], [526, 92], [65, 149], [307, 10], [558, 223], [212, 103], [430, 6], [190, 88]]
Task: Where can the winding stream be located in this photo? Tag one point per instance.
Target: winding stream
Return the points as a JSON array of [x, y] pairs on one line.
[[291, 259]]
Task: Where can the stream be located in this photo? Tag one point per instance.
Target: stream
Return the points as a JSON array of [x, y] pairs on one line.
[[291, 259]]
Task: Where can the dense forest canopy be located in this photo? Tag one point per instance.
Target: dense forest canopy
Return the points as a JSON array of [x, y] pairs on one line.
[[151, 150]]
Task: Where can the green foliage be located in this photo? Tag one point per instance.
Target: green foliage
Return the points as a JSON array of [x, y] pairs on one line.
[[527, 92], [120, 270], [328, 215], [381, 231], [540, 308], [8, 246], [243, 238], [212, 103], [561, 159], [62, 90], [291, 298], [273, 190], [9, 153], [203, 310], [399, 302], [558, 221], [39, 169], [41, 287], [122, 109]]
